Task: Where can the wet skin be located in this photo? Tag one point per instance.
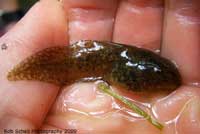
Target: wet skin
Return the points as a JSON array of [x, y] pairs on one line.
[[128, 67], [28, 104]]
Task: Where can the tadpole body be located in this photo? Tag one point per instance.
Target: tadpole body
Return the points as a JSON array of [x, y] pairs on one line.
[[132, 68]]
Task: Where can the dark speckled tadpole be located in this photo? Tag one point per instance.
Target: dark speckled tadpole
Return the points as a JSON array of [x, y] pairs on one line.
[[121, 65]]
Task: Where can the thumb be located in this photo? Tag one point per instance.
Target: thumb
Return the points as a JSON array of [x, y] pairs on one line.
[[26, 103]]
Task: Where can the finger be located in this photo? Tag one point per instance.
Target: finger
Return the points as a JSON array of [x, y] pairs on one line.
[[181, 42], [168, 108], [139, 22], [84, 108], [188, 122], [171, 111], [90, 19], [43, 26]]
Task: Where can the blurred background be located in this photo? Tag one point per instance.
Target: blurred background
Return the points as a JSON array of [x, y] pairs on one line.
[[12, 11]]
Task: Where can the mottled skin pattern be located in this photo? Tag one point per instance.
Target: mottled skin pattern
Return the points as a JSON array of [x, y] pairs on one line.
[[129, 67]]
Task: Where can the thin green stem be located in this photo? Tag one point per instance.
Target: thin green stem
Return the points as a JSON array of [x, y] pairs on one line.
[[105, 88]]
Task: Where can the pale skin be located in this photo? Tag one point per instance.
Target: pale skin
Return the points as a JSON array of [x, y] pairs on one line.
[[26, 104]]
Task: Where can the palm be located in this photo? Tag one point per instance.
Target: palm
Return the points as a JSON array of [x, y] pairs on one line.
[[25, 104]]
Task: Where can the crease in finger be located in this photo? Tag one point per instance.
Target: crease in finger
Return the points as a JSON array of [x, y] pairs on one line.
[[90, 19], [139, 23]]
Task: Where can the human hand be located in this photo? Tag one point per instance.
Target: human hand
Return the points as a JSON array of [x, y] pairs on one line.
[[25, 104]]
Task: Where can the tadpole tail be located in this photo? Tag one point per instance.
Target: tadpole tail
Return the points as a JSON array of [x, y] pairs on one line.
[[48, 65], [63, 65]]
